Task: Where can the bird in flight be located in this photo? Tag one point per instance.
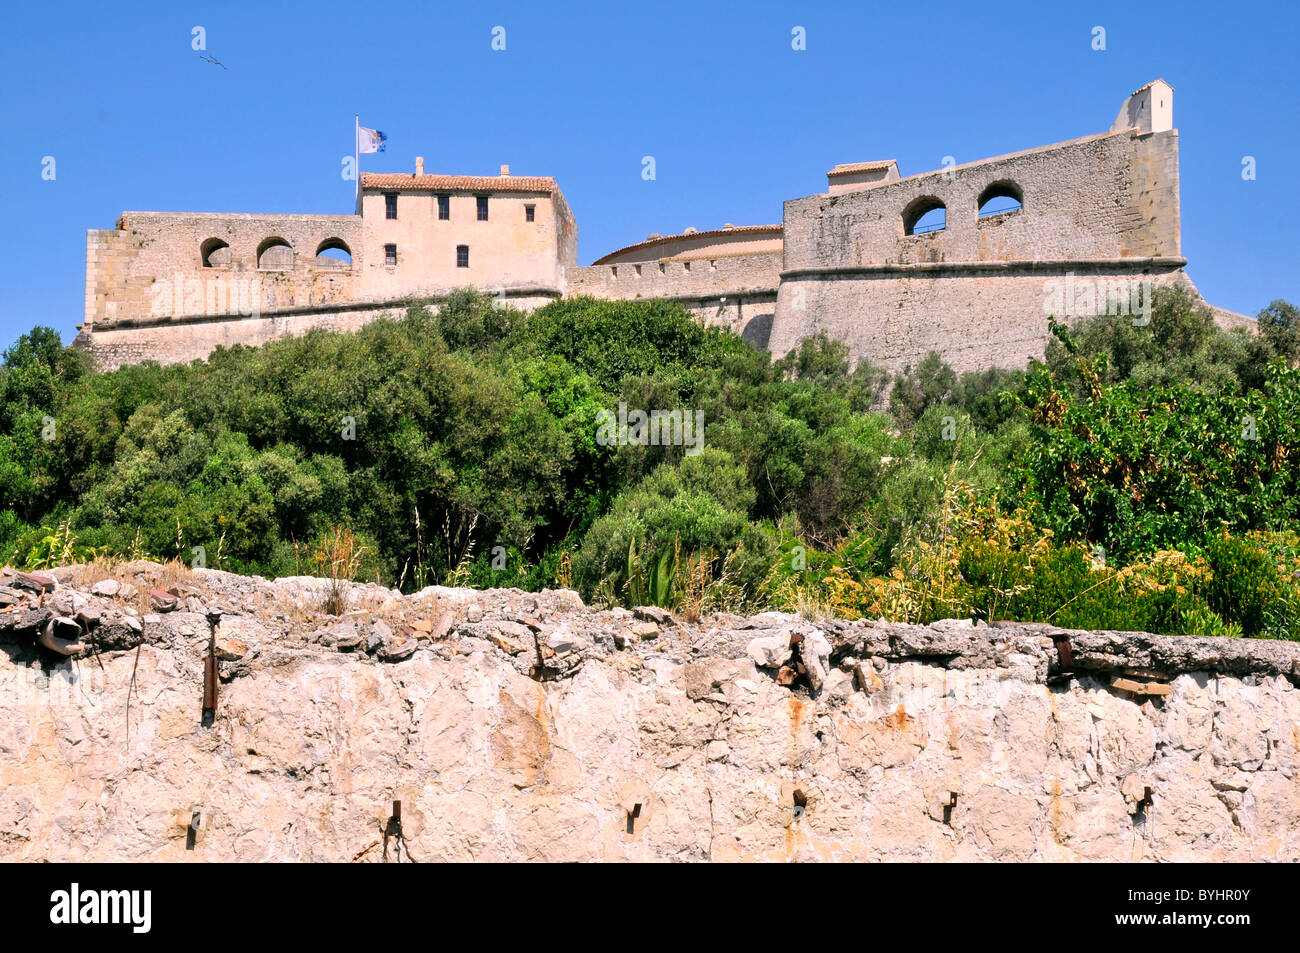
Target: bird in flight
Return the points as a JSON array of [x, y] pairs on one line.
[[212, 59]]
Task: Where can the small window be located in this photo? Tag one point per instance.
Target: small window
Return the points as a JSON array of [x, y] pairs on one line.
[[925, 214], [1000, 198], [333, 253], [444, 207], [215, 253], [275, 254], [390, 254], [530, 213], [390, 205], [462, 256], [482, 208]]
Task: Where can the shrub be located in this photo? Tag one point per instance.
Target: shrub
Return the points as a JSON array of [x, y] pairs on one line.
[[1245, 587], [446, 438]]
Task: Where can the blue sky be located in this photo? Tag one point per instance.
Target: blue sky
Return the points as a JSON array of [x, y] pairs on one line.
[[737, 121]]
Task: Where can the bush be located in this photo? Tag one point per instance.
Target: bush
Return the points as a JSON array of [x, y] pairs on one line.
[[461, 446], [1140, 471], [932, 382], [1246, 588]]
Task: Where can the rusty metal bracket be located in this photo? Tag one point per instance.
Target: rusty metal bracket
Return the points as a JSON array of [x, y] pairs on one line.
[[210, 671], [1064, 654], [948, 806], [1132, 686], [198, 822], [393, 831]]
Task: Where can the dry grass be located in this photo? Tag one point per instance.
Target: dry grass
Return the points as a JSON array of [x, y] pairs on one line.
[[141, 574], [338, 559]]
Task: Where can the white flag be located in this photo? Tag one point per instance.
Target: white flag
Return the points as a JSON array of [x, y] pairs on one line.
[[370, 140]]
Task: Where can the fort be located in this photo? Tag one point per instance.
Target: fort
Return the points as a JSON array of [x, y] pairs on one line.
[[969, 260]]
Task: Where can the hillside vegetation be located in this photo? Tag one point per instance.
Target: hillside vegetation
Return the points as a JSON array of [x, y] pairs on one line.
[[1140, 478]]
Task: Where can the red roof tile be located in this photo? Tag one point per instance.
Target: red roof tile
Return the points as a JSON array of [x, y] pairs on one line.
[[405, 182], [852, 167]]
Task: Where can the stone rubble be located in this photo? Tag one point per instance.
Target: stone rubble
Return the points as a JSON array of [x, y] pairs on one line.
[[526, 726]]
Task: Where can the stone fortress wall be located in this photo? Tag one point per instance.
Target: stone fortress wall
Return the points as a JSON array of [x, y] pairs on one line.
[[1094, 221], [1098, 220], [176, 265], [738, 292]]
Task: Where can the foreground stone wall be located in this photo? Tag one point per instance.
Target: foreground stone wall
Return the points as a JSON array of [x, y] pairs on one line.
[[526, 727]]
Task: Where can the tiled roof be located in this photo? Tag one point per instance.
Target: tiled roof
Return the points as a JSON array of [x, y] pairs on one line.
[[402, 181], [852, 167], [712, 233], [1149, 85]]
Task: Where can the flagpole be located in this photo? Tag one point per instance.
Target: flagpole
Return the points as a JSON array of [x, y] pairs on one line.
[[356, 155]]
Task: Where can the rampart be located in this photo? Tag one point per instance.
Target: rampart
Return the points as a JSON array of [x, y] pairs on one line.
[[173, 341], [738, 292], [179, 265], [1099, 212]]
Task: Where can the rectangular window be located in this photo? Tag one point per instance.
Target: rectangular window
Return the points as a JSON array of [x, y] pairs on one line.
[[390, 205], [390, 254], [482, 208], [462, 256], [444, 207], [530, 213]]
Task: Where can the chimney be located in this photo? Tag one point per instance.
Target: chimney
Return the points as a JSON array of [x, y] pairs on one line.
[[505, 171], [419, 165]]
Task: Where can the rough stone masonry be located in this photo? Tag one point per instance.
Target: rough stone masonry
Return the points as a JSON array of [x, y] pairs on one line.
[[516, 726]]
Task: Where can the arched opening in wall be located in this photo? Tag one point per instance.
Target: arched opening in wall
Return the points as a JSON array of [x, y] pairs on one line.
[[215, 253], [926, 214], [1000, 198], [334, 254], [275, 253]]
